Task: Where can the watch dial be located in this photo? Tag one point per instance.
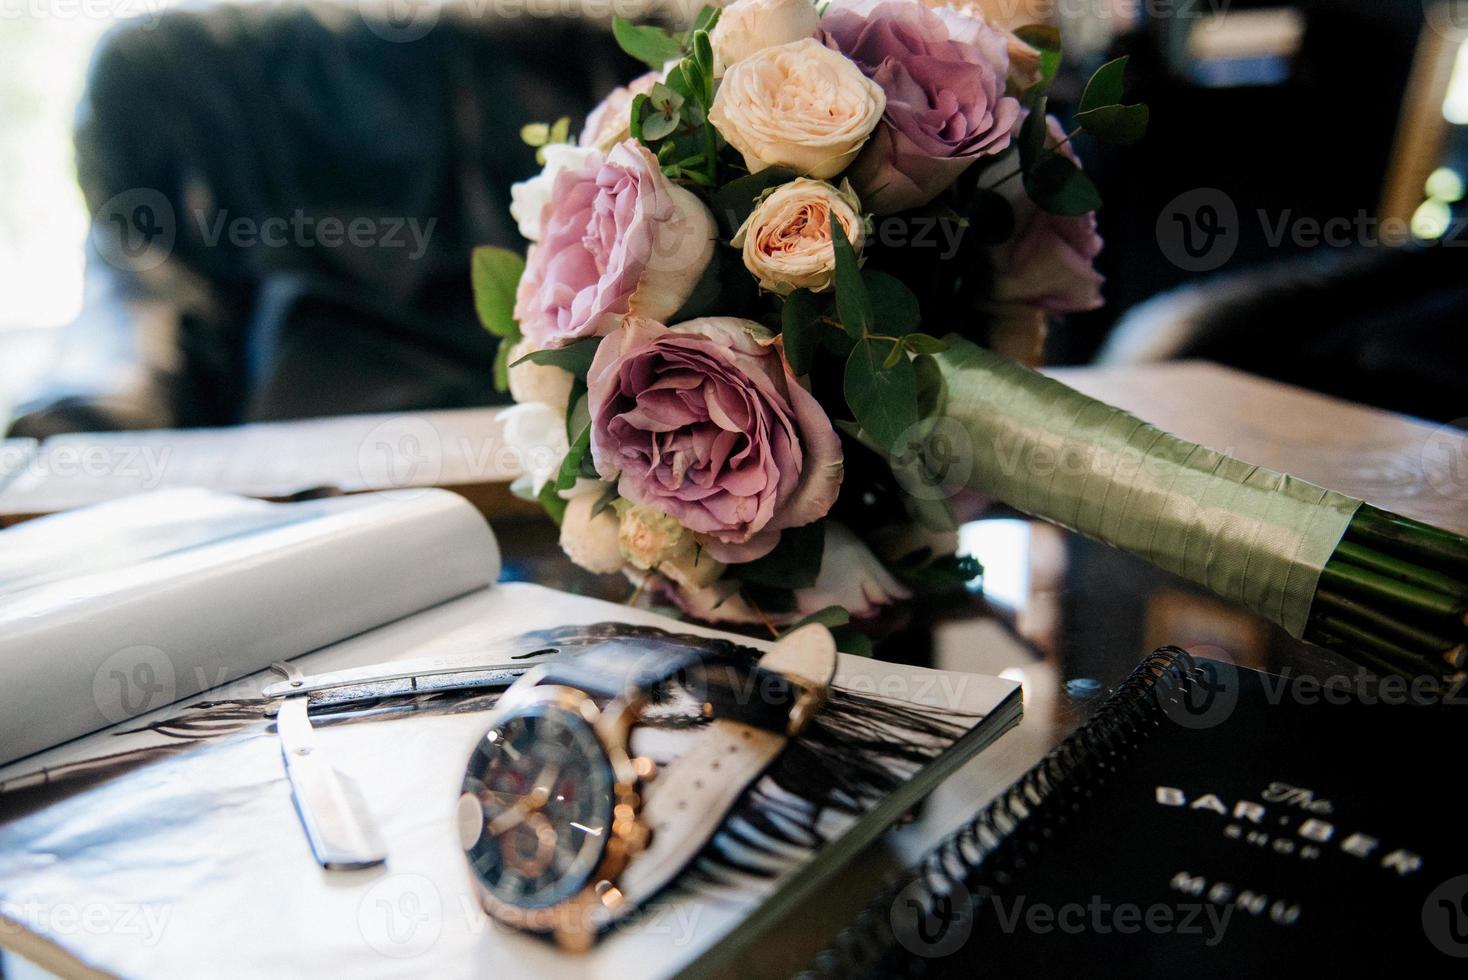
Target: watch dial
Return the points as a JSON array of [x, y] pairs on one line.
[[544, 790]]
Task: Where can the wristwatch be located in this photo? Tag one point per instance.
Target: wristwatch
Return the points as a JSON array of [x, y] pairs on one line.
[[565, 830]]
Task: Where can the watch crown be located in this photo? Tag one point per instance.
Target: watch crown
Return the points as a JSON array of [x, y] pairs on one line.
[[645, 768]]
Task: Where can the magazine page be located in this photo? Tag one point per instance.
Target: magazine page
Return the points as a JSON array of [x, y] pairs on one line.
[[183, 822], [111, 611]]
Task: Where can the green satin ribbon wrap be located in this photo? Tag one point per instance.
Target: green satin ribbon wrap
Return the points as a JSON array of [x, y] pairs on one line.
[[1250, 534]]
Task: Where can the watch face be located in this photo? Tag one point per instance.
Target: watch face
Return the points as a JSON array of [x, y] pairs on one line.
[[544, 790]]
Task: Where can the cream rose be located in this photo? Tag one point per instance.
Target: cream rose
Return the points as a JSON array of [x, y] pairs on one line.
[[591, 542], [650, 540], [748, 26], [544, 383], [786, 241], [798, 105]]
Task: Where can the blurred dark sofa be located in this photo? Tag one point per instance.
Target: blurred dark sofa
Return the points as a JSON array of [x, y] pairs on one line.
[[285, 199]]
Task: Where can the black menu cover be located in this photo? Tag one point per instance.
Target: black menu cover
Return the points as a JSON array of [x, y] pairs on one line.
[[1209, 821]]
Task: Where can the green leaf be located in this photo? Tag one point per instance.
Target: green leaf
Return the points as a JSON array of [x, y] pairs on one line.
[[634, 122], [852, 641], [1119, 124], [496, 273], [575, 357], [829, 617], [895, 309], [734, 202], [578, 409], [703, 53], [896, 354], [1032, 135], [706, 19], [571, 465], [604, 501], [650, 45], [883, 399], [535, 134], [1057, 185], [659, 124], [1046, 40], [502, 365], [800, 327], [1105, 87], [552, 502], [932, 391], [853, 305], [921, 343], [793, 564]]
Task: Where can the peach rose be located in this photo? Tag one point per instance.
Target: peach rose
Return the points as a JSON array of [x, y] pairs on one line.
[[786, 241], [798, 105]]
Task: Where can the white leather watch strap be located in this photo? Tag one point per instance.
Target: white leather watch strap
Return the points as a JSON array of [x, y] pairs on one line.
[[688, 801]]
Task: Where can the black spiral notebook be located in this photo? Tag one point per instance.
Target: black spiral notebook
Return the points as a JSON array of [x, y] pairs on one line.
[[1209, 821]]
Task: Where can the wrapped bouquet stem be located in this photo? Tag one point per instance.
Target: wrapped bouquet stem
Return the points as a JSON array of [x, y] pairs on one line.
[[1323, 565], [746, 338]]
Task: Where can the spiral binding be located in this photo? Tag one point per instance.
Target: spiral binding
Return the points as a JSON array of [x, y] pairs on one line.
[[984, 855]]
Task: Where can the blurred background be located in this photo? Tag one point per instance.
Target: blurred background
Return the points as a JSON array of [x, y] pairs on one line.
[[212, 214]]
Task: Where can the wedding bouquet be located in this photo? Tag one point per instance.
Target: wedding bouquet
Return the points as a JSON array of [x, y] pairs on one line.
[[761, 342]]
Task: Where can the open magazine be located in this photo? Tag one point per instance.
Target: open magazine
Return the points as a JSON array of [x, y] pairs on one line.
[[162, 839]]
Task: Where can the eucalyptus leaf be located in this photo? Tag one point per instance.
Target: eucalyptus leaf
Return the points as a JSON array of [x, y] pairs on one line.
[[800, 327], [829, 617], [1105, 87], [502, 365], [1057, 185], [921, 343], [707, 18], [1119, 124], [932, 391], [1032, 134], [635, 114], [659, 124], [552, 502], [495, 273], [571, 465], [853, 305], [650, 45], [535, 134], [883, 399], [575, 357], [852, 641], [895, 309]]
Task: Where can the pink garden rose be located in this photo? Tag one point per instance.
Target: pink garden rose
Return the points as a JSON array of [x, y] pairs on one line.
[[702, 422], [617, 237], [1048, 261], [944, 77]]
